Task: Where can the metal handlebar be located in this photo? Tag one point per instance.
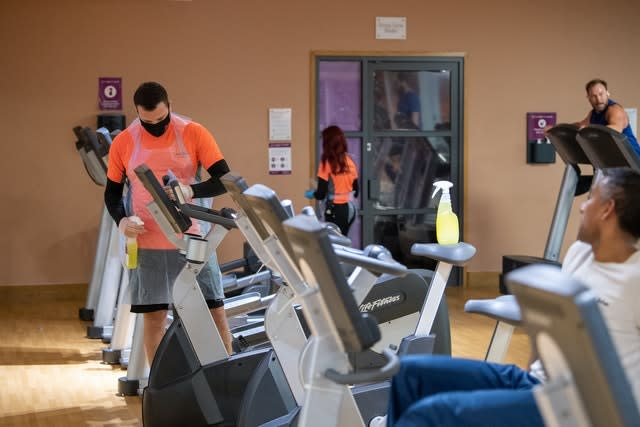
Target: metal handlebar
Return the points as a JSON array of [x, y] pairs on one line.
[[387, 371]]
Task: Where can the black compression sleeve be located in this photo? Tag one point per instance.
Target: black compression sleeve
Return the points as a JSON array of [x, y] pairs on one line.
[[323, 187], [212, 187], [113, 200]]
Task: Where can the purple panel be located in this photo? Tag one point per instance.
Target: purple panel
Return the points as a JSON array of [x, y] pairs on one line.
[[536, 122], [339, 95], [110, 93]]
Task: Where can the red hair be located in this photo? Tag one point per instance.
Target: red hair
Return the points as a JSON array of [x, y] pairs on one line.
[[334, 149]]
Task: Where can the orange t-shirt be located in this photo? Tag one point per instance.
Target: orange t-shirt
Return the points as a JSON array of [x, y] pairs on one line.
[[342, 182], [197, 140]]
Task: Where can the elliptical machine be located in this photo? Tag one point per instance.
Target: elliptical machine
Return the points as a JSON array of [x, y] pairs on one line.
[[339, 327], [193, 381], [261, 207], [218, 392]]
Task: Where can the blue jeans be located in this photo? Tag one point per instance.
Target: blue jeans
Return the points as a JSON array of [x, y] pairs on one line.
[[443, 391]]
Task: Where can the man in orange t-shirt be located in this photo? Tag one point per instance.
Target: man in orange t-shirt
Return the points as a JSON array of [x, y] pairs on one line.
[[167, 143]]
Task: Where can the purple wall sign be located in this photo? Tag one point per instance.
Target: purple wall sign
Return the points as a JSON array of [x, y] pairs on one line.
[[279, 158], [536, 122], [110, 93]]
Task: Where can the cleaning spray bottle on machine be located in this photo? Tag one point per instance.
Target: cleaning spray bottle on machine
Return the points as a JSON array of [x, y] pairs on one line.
[[132, 246], [447, 229]]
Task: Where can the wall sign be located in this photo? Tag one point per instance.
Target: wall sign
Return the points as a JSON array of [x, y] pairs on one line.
[[110, 93], [280, 124], [280, 158], [391, 27], [539, 148]]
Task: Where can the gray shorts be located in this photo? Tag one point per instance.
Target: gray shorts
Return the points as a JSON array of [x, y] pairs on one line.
[[152, 282]]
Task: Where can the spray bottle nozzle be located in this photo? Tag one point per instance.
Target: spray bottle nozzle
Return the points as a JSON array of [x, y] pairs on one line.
[[441, 185]]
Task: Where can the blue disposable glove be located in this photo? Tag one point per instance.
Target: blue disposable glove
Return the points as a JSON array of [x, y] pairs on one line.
[[309, 194]]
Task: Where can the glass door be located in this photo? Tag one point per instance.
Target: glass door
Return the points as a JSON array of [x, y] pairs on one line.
[[403, 121], [413, 140]]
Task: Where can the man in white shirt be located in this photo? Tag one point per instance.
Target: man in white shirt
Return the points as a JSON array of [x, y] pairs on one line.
[[442, 391]]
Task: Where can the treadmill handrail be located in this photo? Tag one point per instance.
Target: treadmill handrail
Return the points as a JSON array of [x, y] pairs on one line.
[[563, 138], [93, 165], [94, 143], [617, 153]]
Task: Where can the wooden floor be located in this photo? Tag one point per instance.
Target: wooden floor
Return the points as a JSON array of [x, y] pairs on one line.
[[51, 375]]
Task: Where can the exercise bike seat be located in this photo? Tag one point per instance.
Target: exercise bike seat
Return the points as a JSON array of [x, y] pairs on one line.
[[504, 308], [506, 312], [457, 254]]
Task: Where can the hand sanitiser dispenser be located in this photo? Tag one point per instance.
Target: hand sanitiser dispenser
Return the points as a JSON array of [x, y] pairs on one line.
[[447, 229]]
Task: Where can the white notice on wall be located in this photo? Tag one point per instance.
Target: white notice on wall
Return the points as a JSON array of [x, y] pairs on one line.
[[391, 27], [633, 119], [280, 124], [279, 158]]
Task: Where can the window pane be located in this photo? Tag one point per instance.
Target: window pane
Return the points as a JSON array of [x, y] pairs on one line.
[[340, 95], [398, 233], [412, 100], [406, 168]]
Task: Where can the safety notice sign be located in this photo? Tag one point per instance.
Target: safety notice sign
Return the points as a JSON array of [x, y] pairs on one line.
[[110, 93]]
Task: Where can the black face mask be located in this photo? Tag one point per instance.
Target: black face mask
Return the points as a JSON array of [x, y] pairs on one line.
[[157, 129]]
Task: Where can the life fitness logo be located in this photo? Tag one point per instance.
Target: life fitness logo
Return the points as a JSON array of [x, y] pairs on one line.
[[381, 303]]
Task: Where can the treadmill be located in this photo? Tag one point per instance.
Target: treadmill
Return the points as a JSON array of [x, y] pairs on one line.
[[604, 148], [563, 137], [597, 142]]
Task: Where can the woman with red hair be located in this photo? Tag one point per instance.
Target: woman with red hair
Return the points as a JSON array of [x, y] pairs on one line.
[[336, 167]]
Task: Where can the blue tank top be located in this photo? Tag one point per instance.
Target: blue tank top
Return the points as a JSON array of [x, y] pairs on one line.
[[601, 119]]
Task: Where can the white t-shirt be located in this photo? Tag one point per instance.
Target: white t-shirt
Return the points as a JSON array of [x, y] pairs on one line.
[[617, 287]]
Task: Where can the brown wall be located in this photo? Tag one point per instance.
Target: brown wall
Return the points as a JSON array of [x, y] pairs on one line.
[[225, 62]]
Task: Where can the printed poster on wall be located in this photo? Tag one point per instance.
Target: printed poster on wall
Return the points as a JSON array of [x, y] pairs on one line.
[[279, 124], [280, 158], [536, 122], [110, 93]]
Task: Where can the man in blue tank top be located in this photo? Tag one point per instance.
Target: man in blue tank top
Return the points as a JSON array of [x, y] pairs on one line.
[[607, 112]]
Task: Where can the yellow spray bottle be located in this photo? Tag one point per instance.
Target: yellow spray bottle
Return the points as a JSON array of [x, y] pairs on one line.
[[132, 246], [447, 228]]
